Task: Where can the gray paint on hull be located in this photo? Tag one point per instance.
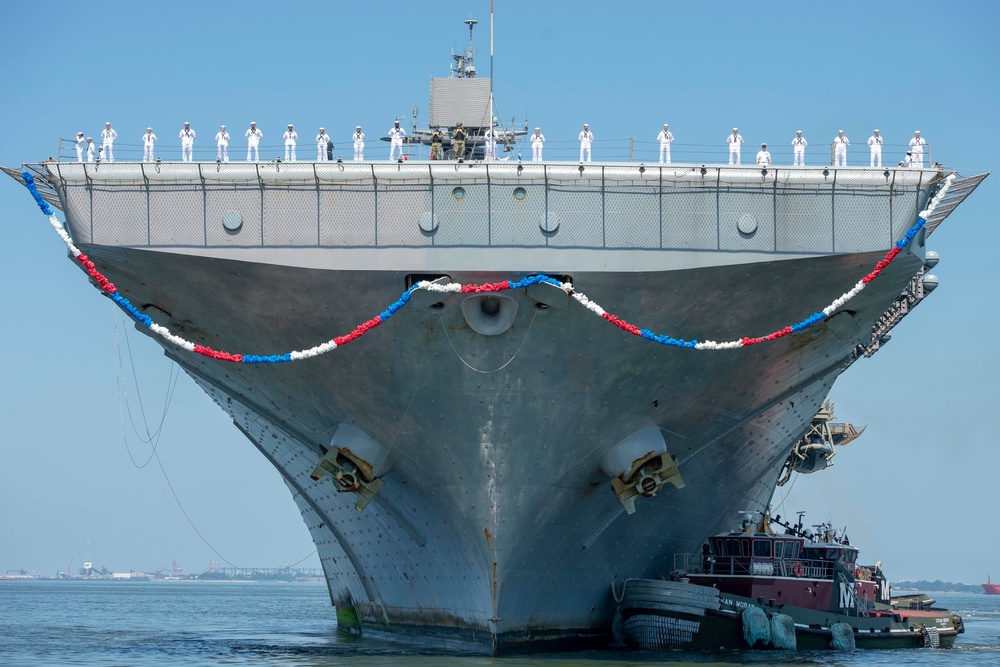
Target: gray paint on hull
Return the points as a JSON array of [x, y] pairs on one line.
[[503, 467]]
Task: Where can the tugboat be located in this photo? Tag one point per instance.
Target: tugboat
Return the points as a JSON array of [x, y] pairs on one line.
[[754, 588], [990, 588]]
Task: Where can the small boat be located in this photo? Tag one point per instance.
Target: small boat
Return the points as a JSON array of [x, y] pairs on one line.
[[990, 588], [800, 589]]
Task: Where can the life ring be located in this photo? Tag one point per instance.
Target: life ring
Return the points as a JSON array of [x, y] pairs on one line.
[[797, 569]]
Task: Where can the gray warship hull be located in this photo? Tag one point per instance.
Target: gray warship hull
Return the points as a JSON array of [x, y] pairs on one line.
[[496, 526]]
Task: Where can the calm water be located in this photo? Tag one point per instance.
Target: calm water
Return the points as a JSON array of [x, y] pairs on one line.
[[186, 623]]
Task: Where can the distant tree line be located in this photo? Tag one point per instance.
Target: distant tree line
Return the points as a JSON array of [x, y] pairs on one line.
[[938, 586]]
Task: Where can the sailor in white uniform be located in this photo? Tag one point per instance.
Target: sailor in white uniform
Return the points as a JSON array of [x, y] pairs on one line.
[[665, 138], [763, 156], [187, 136], [359, 144], [735, 142], [917, 144], [586, 139], [291, 137], [92, 150], [840, 144], [908, 160], [322, 139], [875, 144], [81, 145], [222, 141], [148, 141], [537, 143], [108, 136], [491, 144], [799, 144], [396, 135], [253, 137]]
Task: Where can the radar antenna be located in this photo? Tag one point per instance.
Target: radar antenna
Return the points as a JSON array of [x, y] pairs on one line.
[[463, 67]]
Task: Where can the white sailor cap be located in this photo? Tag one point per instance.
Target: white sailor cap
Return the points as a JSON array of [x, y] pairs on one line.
[[322, 129], [357, 127], [290, 125], [798, 131], [253, 122], [148, 129], [79, 134], [876, 129], [186, 123], [736, 129], [538, 128]]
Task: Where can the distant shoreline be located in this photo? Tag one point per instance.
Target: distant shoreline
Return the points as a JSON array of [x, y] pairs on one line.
[[158, 580]]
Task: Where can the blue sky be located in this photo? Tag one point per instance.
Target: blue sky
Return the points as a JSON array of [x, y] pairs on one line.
[[917, 491]]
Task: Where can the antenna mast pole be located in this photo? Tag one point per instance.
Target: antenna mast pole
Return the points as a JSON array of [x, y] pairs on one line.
[[491, 49]]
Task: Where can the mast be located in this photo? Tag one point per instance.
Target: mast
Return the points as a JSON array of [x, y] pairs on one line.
[[464, 67], [492, 101], [491, 56]]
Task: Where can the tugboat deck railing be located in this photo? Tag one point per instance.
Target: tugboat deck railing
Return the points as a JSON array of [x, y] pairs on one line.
[[739, 566]]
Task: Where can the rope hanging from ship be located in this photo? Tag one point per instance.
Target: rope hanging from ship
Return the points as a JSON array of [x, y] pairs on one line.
[[454, 288]]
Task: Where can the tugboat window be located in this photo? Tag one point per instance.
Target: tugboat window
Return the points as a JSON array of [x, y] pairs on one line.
[[762, 548]]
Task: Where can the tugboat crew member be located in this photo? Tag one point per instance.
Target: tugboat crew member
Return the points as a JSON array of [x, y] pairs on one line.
[[253, 137], [875, 144], [222, 141], [186, 136], [735, 142], [291, 137], [108, 136], [799, 144], [359, 144], [148, 141], [396, 134], [537, 142], [586, 139], [665, 138]]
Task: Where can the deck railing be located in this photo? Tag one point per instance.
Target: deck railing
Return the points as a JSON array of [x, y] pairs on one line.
[[753, 566]]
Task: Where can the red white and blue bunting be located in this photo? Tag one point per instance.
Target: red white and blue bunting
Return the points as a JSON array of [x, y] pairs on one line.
[[455, 288]]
